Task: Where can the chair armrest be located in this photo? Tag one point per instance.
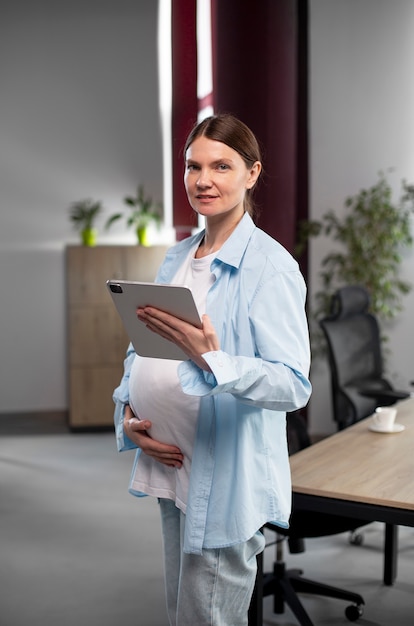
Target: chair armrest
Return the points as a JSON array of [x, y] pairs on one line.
[[385, 397]]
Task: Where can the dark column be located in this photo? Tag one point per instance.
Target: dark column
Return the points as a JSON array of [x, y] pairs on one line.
[[184, 104]]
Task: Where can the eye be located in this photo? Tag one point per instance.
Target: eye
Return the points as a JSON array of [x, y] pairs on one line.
[[222, 167], [191, 167]]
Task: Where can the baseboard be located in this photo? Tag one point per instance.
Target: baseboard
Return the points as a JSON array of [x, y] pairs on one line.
[[42, 423], [34, 422]]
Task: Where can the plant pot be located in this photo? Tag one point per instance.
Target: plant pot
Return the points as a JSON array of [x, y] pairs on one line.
[[142, 236], [89, 237]]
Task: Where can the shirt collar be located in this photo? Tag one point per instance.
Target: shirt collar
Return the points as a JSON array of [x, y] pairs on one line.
[[233, 249]]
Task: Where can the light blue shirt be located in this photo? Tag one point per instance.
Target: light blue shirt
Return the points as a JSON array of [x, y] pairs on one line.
[[240, 475]]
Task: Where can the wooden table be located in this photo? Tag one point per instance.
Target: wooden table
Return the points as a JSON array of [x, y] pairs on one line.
[[362, 474]]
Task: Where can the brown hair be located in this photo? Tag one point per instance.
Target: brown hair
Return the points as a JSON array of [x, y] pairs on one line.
[[235, 134]]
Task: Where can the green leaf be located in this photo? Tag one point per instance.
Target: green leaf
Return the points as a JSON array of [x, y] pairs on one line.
[[371, 234]]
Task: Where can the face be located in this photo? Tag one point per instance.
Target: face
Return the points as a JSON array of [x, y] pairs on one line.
[[216, 178]]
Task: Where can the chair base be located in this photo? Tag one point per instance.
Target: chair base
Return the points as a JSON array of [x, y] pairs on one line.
[[285, 584]]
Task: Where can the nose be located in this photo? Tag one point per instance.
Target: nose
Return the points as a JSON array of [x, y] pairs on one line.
[[204, 179]]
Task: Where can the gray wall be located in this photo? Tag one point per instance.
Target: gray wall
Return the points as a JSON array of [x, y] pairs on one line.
[[78, 118], [361, 122]]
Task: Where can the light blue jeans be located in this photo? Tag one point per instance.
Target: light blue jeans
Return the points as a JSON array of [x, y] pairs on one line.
[[212, 589]]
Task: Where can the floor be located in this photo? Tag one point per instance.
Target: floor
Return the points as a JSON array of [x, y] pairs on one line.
[[78, 550]]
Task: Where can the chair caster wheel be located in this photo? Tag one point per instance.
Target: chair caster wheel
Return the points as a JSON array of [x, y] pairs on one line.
[[356, 539], [353, 612]]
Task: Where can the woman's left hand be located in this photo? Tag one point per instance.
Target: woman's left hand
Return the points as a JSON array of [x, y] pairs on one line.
[[192, 340]]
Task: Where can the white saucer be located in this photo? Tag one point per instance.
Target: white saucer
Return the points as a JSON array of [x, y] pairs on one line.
[[397, 428]]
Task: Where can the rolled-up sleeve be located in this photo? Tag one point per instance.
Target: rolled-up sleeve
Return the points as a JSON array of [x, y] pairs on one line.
[[276, 377], [121, 398]]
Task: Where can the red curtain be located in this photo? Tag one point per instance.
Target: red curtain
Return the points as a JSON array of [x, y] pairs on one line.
[[260, 75], [184, 104], [259, 65]]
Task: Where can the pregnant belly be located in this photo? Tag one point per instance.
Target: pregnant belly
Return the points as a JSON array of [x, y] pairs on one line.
[[155, 394]]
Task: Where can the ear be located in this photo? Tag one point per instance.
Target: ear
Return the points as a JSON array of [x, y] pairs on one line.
[[254, 173]]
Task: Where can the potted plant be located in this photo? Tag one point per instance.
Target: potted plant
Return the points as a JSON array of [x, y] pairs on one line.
[[143, 212], [369, 240], [83, 214]]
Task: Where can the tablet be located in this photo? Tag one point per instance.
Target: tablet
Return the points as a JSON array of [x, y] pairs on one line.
[[175, 299]]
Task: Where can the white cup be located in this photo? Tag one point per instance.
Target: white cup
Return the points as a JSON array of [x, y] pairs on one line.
[[384, 418]]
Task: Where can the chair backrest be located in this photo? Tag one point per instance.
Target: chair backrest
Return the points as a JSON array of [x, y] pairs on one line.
[[354, 353]]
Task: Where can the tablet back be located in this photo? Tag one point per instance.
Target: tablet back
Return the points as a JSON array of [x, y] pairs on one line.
[[175, 299]]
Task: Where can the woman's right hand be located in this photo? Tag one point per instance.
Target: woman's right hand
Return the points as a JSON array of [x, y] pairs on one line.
[[136, 430]]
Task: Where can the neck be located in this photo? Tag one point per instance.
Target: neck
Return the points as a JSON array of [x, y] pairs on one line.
[[216, 234]]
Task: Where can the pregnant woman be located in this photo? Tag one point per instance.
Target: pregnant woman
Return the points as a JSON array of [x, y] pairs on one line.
[[210, 431]]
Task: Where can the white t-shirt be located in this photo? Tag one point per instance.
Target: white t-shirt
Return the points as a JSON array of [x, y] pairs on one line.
[[155, 394]]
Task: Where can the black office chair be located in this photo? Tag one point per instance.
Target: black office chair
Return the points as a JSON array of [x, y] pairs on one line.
[[355, 358], [284, 584], [357, 381]]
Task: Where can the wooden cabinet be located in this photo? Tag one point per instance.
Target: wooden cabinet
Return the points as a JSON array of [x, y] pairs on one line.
[[96, 341]]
